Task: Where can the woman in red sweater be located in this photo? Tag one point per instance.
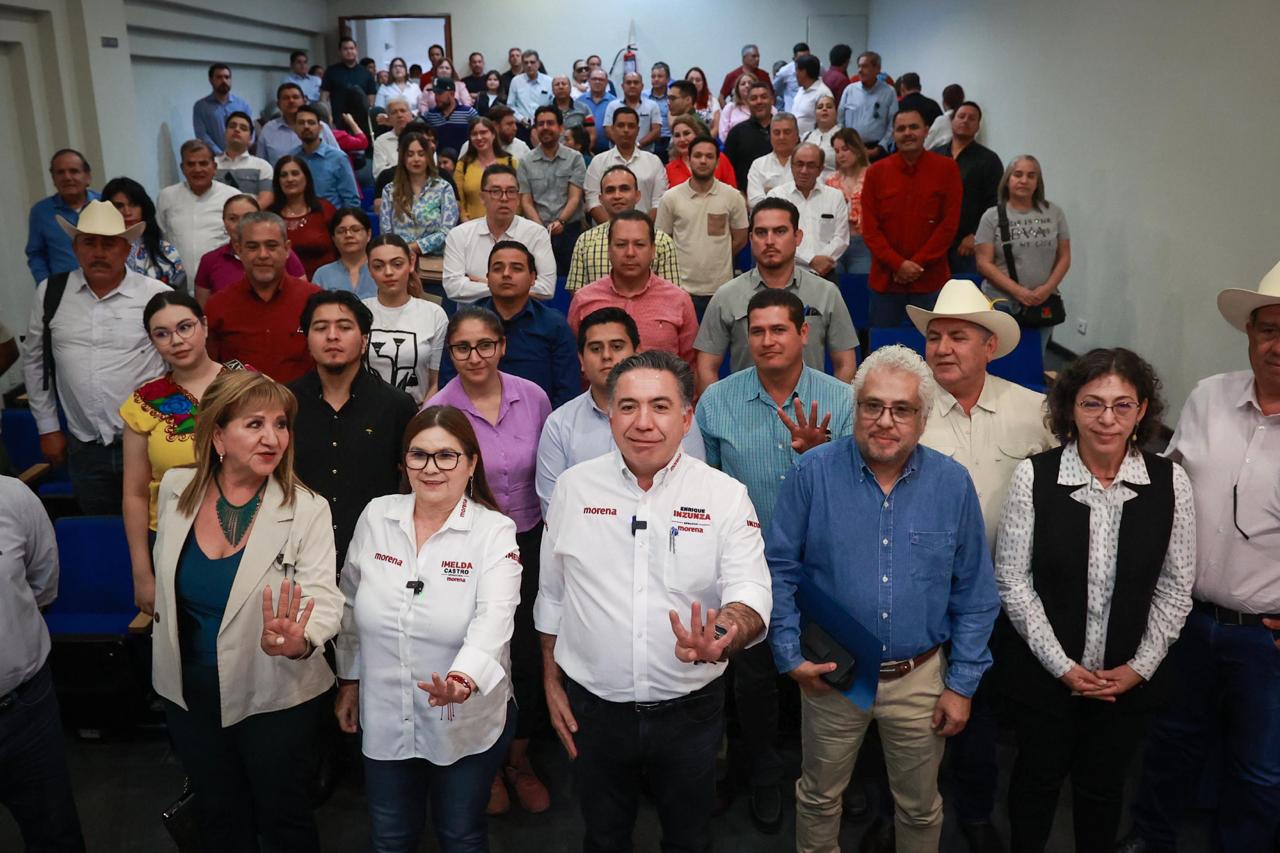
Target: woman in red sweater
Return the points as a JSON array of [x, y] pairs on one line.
[[685, 129], [306, 215]]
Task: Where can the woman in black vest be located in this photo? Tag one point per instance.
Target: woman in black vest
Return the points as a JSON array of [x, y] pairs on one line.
[[1095, 560]]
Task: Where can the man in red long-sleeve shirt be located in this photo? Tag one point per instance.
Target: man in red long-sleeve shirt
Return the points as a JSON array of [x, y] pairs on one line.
[[910, 212]]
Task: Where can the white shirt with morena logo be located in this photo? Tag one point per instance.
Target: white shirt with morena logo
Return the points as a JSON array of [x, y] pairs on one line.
[[409, 613], [616, 559]]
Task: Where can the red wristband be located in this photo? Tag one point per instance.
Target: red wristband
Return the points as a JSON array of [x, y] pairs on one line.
[[460, 679]]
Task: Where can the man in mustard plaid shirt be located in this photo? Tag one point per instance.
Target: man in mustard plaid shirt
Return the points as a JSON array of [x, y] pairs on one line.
[[619, 191]]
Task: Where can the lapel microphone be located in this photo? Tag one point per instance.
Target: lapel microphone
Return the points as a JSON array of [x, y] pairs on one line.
[[638, 525], [416, 586]]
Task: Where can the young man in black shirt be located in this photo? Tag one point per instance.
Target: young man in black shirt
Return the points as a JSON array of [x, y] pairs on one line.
[[350, 424]]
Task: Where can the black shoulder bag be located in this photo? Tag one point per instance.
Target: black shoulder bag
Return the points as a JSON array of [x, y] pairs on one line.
[[1051, 312]]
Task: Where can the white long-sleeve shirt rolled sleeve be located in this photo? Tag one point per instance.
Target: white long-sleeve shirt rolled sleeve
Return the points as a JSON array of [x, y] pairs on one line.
[[101, 353], [605, 591]]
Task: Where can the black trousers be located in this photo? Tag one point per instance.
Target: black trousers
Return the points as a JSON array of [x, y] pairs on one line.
[[1094, 744], [35, 784], [673, 746], [526, 648], [755, 695], [562, 246], [252, 780]]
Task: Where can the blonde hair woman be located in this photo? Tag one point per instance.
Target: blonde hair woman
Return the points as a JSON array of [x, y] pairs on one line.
[[237, 670]]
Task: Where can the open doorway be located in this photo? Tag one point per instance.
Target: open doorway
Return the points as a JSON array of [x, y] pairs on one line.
[[409, 36]]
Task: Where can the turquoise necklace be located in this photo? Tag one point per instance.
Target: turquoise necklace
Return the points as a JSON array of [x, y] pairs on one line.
[[235, 521]]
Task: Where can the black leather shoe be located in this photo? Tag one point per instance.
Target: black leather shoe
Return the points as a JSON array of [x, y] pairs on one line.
[[983, 838], [880, 837], [856, 805], [1135, 843], [766, 808]]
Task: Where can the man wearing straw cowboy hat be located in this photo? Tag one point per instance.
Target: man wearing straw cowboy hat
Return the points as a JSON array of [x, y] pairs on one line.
[[1228, 440], [988, 425], [86, 350]]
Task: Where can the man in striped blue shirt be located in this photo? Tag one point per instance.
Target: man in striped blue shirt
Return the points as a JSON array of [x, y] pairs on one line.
[[755, 424]]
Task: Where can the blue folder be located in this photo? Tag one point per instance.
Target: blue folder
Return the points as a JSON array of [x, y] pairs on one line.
[[818, 606]]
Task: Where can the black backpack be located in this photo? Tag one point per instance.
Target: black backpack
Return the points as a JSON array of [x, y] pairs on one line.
[[54, 289]]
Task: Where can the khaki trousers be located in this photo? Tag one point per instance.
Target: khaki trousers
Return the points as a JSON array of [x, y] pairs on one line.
[[832, 730]]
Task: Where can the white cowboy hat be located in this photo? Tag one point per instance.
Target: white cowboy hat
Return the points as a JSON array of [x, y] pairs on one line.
[[1236, 304], [102, 219], [961, 299]]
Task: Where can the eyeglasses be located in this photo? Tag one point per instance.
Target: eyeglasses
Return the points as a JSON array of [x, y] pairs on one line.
[[871, 410], [349, 231], [486, 348], [185, 330], [503, 192], [1120, 408], [446, 460]]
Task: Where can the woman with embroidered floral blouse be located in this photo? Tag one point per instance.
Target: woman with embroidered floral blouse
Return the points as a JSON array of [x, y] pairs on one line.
[[418, 206], [160, 416]]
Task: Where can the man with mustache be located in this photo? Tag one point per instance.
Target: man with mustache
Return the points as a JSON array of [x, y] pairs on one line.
[[48, 249], [910, 214], [256, 320], [914, 573], [90, 355]]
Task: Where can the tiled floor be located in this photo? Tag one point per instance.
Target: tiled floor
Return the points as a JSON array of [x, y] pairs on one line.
[[123, 785]]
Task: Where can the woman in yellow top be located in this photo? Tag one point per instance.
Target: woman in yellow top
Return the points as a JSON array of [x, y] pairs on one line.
[[483, 150], [160, 416]]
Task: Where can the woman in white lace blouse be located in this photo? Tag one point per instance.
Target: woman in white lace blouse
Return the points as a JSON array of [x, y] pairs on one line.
[[1095, 559]]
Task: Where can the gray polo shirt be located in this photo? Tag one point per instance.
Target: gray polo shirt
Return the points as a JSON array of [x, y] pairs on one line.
[[548, 180], [725, 323]]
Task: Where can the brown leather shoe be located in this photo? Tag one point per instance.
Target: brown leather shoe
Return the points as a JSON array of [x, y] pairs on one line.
[[530, 791], [499, 800]]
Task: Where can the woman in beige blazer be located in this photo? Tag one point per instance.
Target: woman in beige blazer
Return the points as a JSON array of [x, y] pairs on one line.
[[241, 683]]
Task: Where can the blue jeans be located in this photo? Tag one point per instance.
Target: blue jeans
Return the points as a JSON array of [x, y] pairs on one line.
[[856, 259], [35, 784], [673, 746], [97, 475], [887, 310], [398, 793], [1229, 678]]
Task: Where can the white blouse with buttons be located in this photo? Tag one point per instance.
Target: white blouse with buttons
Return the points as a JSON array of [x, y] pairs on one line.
[[1170, 602], [461, 619]]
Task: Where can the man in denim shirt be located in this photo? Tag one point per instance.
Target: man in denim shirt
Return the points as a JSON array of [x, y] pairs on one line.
[[892, 533]]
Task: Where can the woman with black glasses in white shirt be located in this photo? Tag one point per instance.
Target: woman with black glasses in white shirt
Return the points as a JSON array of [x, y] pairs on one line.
[[431, 582], [1095, 559]]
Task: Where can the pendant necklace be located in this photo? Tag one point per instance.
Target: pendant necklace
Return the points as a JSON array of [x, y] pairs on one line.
[[236, 520]]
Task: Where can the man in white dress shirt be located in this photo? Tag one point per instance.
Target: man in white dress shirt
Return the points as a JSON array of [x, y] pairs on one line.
[[579, 430], [190, 212], [98, 354], [773, 169], [637, 540], [1228, 441], [467, 248], [824, 213], [809, 88]]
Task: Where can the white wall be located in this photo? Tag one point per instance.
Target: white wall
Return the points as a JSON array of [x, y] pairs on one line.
[[682, 33], [1154, 123]]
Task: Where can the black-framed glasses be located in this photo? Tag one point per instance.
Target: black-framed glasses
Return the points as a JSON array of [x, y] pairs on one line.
[[462, 351], [502, 192], [873, 409], [1121, 408], [1235, 510], [446, 460]]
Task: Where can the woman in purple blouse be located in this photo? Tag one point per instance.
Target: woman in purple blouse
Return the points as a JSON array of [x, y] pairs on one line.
[[507, 414]]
